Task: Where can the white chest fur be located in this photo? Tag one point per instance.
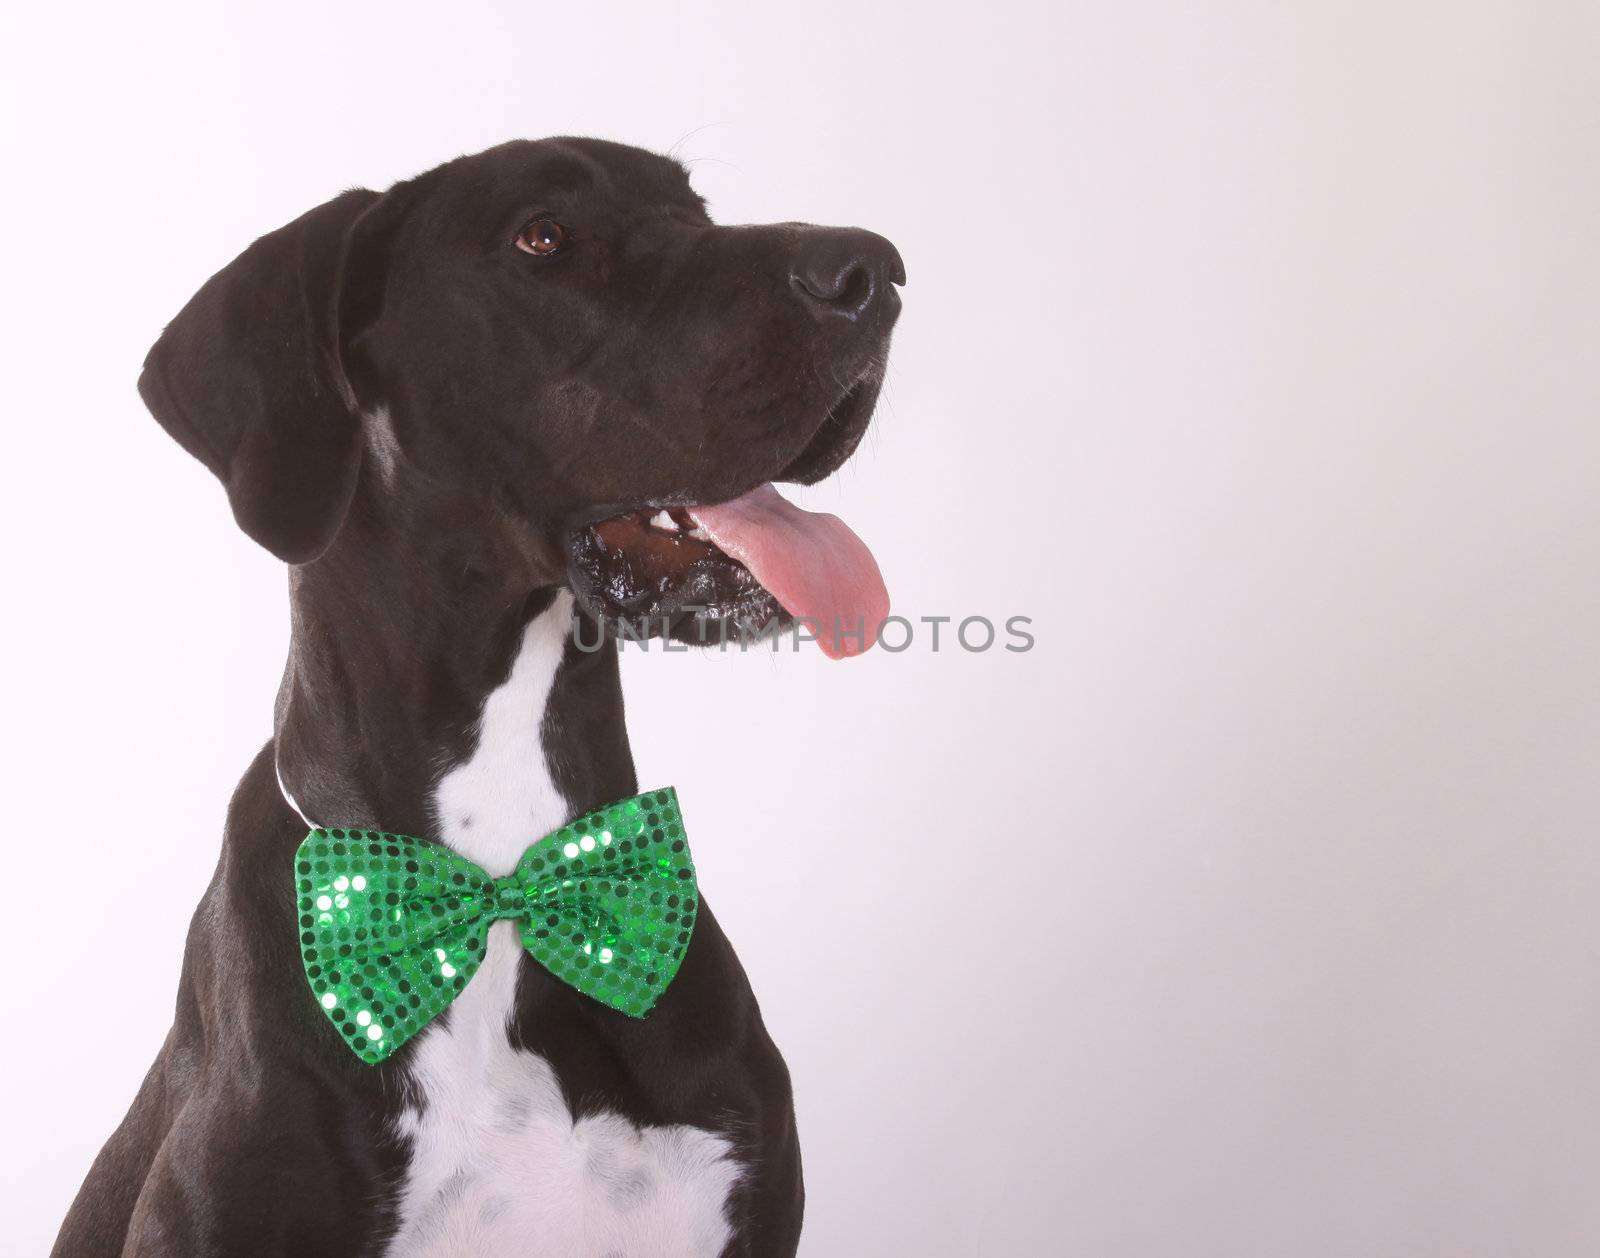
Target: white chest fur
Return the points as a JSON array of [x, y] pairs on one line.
[[498, 1165]]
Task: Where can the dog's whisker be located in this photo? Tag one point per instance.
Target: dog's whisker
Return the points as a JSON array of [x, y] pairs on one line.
[[690, 134]]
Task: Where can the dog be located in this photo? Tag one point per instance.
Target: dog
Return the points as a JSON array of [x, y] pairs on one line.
[[497, 411]]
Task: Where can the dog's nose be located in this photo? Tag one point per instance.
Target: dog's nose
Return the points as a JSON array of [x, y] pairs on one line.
[[844, 273]]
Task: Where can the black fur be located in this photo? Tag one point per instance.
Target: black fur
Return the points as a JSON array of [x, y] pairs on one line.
[[657, 358]]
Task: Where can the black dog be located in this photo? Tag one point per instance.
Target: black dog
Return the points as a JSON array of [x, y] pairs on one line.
[[526, 388]]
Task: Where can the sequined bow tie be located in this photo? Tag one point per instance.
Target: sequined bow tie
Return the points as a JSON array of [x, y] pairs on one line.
[[391, 928]]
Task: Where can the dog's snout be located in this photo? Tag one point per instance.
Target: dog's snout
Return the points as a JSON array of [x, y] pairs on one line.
[[844, 274]]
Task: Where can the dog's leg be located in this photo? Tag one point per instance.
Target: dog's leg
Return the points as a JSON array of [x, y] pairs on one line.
[[97, 1224], [247, 1172]]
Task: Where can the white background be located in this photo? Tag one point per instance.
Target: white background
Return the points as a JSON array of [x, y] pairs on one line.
[[1248, 348]]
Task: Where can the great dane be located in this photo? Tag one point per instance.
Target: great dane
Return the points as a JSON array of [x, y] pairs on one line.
[[489, 417]]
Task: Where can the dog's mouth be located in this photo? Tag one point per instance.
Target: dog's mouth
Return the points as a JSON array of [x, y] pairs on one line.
[[715, 572]]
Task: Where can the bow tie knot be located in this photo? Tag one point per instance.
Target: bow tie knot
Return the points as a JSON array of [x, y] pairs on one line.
[[392, 927], [509, 898]]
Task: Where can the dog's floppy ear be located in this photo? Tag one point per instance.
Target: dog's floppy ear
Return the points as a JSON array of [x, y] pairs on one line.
[[248, 379]]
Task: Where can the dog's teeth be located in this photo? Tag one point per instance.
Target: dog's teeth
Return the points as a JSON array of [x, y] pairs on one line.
[[664, 521], [699, 534]]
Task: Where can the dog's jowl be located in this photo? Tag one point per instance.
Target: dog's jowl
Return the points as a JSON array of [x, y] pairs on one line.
[[530, 392]]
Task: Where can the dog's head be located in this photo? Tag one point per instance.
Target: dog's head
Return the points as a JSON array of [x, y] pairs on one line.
[[556, 333]]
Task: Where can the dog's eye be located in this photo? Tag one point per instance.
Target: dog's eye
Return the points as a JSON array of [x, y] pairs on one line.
[[542, 237]]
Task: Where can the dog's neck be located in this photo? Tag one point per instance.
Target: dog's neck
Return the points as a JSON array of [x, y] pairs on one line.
[[400, 633]]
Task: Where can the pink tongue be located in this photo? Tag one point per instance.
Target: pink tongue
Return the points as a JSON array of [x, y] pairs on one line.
[[811, 563]]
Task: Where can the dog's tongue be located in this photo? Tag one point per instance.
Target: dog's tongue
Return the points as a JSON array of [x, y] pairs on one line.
[[811, 563]]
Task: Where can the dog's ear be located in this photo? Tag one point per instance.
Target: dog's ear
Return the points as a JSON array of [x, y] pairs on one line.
[[248, 379]]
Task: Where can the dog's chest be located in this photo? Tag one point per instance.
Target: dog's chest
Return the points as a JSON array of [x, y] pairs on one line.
[[498, 1166]]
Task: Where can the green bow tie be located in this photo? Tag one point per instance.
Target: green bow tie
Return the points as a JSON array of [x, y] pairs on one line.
[[391, 928]]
